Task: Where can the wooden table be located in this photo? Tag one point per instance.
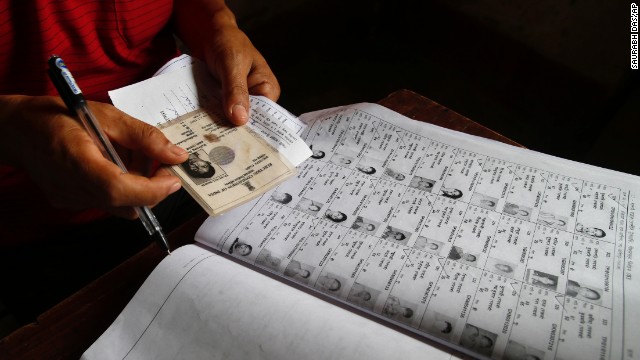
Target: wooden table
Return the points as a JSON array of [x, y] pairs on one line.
[[69, 328]]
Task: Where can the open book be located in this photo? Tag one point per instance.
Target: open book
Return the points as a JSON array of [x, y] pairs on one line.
[[453, 241]]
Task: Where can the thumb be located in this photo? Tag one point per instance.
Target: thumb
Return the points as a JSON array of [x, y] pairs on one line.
[[235, 93], [136, 135]]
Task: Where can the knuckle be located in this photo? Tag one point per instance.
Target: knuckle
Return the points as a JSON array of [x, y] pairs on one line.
[[237, 90], [149, 132], [113, 194]]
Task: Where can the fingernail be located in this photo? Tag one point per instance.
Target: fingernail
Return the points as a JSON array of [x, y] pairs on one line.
[[175, 188], [239, 112], [177, 150]]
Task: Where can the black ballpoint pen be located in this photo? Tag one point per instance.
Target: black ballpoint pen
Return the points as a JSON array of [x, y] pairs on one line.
[[73, 98]]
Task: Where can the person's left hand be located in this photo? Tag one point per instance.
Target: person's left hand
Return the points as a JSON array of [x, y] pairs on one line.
[[229, 54], [241, 70]]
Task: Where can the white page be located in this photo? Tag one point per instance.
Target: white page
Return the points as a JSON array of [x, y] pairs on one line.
[[181, 87], [179, 62], [197, 305], [508, 260]]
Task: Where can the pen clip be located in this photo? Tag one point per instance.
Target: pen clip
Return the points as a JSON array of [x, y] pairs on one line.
[[65, 83]]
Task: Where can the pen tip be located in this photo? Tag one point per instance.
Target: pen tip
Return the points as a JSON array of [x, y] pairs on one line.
[[161, 239]]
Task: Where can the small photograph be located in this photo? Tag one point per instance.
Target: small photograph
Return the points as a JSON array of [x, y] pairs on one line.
[[317, 153], [298, 271], [398, 310], [198, 169], [593, 232], [542, 279], [518, 351], [500, 267], [365, 225], [309, 206], [396, 235], [363, 296], [484, 201], [478, 340], [240, 248], [281, 197], [420, 183], [329, 283], [222, 155], [342, 160], [551, 220], [366, 169], [335, 216], [458, 254], [587, 293], [389, 173], [521, 212], [268, 260], [451, 193], [429, 245], [438, 324]]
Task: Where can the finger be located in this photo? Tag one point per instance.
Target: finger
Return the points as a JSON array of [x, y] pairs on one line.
[[137, 135], [163, 171], [232, 68], [139, 164], [134, 190], [265, 89], [106, 186], [262, 81]]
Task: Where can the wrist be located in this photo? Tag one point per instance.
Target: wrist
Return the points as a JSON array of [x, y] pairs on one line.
[[222, 19], [196, 21]]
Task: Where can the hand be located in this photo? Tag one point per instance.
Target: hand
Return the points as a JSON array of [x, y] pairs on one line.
[[58, 153], [241, 70], [210, 30]]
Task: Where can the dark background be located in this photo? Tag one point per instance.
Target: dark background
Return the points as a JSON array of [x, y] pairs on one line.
[[552, 75]]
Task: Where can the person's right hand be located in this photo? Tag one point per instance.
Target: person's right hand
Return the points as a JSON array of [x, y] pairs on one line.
[[210, 30], [41, 137]]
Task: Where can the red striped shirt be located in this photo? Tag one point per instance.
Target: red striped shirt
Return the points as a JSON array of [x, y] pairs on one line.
[[107, 44]]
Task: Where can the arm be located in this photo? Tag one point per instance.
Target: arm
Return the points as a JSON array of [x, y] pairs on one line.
[[209, 29]]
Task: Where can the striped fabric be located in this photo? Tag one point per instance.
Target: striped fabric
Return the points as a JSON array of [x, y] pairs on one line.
[[107, 44]]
